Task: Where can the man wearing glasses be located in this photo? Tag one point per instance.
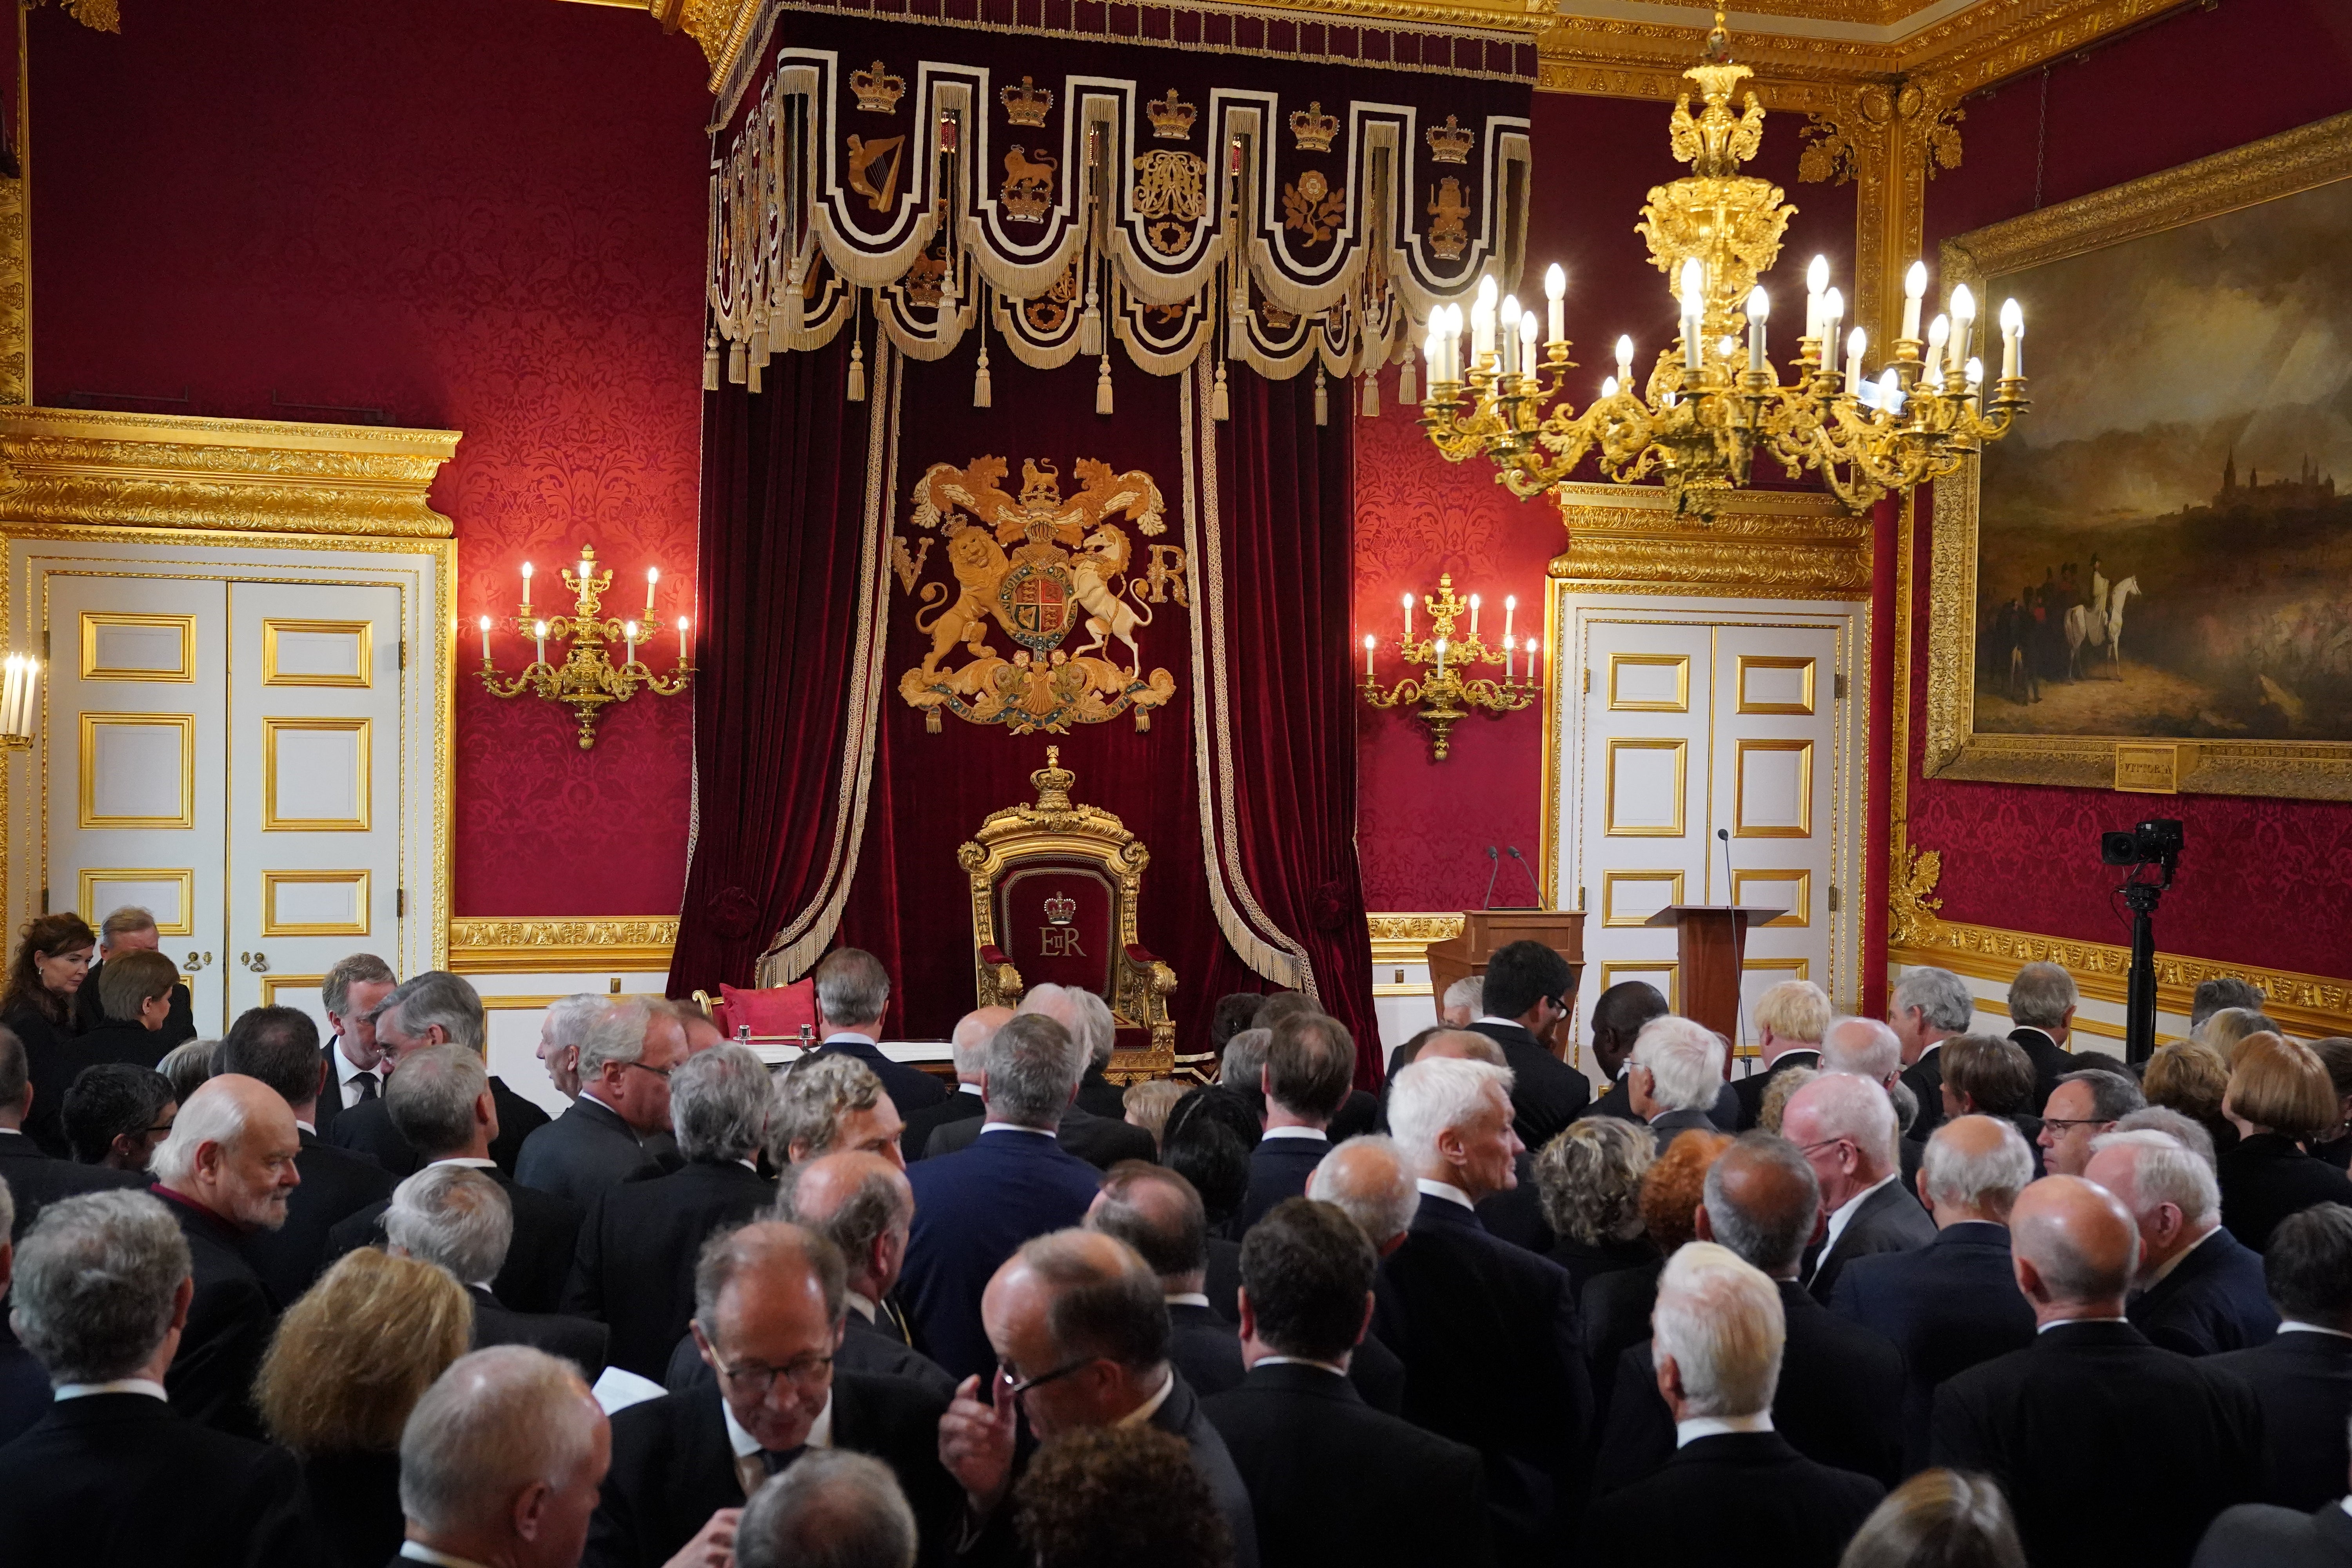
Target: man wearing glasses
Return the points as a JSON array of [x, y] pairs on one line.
[[1529, 991], [626, 1060], [768, 1305], [1845, 1127]]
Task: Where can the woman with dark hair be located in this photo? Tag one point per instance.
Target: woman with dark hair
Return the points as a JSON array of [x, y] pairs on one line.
[[51, 958], [2279, 1099]]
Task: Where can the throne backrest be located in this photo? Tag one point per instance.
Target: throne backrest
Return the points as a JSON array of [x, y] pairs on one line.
[[1057, 919]]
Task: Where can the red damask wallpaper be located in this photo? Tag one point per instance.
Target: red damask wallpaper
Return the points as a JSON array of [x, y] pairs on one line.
[[2263, 881], [479, 214]]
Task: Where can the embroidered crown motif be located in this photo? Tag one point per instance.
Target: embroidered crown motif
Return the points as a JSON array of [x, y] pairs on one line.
[[1028, 104], [1061, 910], [1450, 143], [878, 90], [1172, 117], [1313, 127]]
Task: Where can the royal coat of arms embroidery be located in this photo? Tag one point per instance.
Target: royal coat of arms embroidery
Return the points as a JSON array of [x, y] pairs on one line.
[[1037, 567]]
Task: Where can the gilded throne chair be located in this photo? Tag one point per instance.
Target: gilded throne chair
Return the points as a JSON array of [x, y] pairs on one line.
[[1054, 890]]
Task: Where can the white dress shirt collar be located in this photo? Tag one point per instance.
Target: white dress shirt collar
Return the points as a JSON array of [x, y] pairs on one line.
[[1315, 1132], [147, 1386], [745, 1444], [840, 1037], [1334, 1368], [1697, 1426], [1843, 1216], [2289, 1326], [1490, 1018], [1186, 1299], [473, 1162], [970, 1088], [987, 1127], [2069, 1322], [417, 1551], [862, 1305], [345, 1071], [1447, 1191], [1150, 1407]]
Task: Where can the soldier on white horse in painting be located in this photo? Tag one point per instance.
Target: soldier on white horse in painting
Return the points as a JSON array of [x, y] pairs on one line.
[[2096, 628]]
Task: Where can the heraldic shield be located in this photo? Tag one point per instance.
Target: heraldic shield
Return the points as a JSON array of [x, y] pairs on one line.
[[1037, 568]]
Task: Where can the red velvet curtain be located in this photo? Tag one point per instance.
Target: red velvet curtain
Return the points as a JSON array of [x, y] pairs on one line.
[[777, 577]]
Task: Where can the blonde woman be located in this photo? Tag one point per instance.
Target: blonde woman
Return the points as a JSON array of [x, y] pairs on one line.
[[349, 1361]]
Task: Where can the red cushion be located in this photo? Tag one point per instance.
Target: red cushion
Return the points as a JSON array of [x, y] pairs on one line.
[[776, 1013]]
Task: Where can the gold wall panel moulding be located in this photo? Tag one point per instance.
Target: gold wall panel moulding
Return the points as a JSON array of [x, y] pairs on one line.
[[272, 984], [1627, 745], [184, 724], [1800, 895], [2280, 165], [2312, 1006], [362, 776], [1803, 827], [1608, 881], [75, 466], [95, 623], [619, 944], [271, 881], [362, 633], [1802, 705], [1405, 938], [1638, 969], [93, 877], [1621, 702], [1763, 544]]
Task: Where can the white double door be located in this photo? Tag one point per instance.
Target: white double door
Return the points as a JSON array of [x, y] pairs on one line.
[[1716, 756], [227, 754]]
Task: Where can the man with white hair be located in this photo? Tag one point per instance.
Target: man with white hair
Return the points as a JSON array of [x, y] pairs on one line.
[[1790, 1019], [560, 1031], [841, 1510], [1463, 1000], [1676, 1075], [110, 1473], [853, 997], [460, 1219], [1865, 1048], [225, 1173], [1488, 1332], [1846, 1126], [2200, 1290], [1718, 1333], [2042, 1003], [969, 1045], [1930, 1005], [500, 1462], [1088, 1017], [625, 1060]]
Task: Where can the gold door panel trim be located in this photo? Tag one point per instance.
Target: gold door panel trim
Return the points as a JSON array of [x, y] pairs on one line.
[[184, 724], [93, 877], [1804, 827], [94, 668], [1609, 881], [272, 984], [362, 633], [273, 880], [1681, 748], [1803, 707], [1678, 662], [1800, 901], [273, 823], [1634, 968]]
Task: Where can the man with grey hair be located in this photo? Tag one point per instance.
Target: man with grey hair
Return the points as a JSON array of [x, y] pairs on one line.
[[1844, 1124], [838, 1509], [828, 1103], [863, 1204], [853, 997], [1102, 1139], [1242, 1067], [2042, 1003], [625, 1061], [1463, 1000], [1370, 1180], [1865, 1048], [969, 1044], [2189, 1133], [434, 1009], [634, 1268], [1927, 1006], [2085, 1106], [1677, 1072], [2217, 992], [349, 994], [1088, 1019], [458, 1219], [501, 1461], [110, 1473], [560, 1031], [1952, 1303], [2200, 1290], [1734, 1476]]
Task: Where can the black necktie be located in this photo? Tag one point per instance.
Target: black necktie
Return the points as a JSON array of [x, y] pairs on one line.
[[776, 1459], [366, 1082]]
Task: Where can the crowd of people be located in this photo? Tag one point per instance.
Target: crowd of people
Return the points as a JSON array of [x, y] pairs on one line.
[[1903, 1296]]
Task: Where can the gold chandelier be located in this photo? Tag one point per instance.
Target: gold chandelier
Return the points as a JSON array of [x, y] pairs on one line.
[[1712, 400], [587, 680]]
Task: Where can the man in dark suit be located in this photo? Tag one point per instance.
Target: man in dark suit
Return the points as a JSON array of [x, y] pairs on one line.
[[1675, 1076], [2303, 1377], [36, 1178], [1488, 1332], [1846, 1125], [434, 1009], [501, 1461], [863, 1204], [1839, 1398], [974, 1208], [1952, 1303], [441, 1103], [1330, 1479], [2200, 1290], [1790, 1019], [2083, 1108], [1099, 1140], [1309, 1062], [280, 1046], [1618, 1015], [970, 1044], [625, 1060], [853, 997], [350, 993], [1529, 990], [1928, 1006], [2092, 1409], [227, 1172], [2042, 1003], [458, 1218], [1734, 1478], [1080, 1339], [1159, 1214], [132, 930], [635, 1266], [1368, 1180], [112, 1473], [768, 1319]]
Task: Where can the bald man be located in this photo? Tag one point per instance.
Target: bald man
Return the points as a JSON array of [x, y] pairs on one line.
[[2111, 1450]]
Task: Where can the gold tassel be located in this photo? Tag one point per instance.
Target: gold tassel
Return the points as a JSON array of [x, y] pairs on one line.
[[1408, 383], [1220, 408], [1322, 398], [758, 349], [1090, 342], [735, 358], [1372, 393], [1102, 388], [710, 360], [751, 377], [982, 393], [857, 373]]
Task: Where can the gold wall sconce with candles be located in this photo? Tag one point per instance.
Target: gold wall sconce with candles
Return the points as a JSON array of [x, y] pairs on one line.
[[1449, 693], [587, 680], [20, 694]]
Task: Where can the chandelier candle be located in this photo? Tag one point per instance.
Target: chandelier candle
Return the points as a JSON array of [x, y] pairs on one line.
[[1556, 303], [1759, 306], [1817, 279], [1832, 312]]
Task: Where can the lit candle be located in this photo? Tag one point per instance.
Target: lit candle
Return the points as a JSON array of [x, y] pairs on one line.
[[1607, 386], [12, 695], [1964, 316], [1510, 610], [1625, 362], [1474, 614], [538, 634], [1429, 349], [1482, 322], [1915, 288], [1939, 332], [681, 639], [1890, 393], [1555, 296], [1693, 282], [1759, 306], [652, 575], [1441, 658], [486, 639], [1535, 656], [526, 585], [2012, 332], [1525, 364], [630, 629], [1453, 342], [584, 572], [1511, 326], [1408, 618], [1509, 642], [1832, 312], [1975, 373], [1817, 280], [1368, 655], [1855, 341]]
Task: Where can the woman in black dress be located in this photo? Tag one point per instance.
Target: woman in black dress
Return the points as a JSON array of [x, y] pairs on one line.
[[2280, 1098], [51, 957]]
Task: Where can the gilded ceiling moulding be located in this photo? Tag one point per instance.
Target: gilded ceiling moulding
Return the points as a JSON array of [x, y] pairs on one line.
[[1405, 938], [73, 465], [624, 945], [1764, 543]]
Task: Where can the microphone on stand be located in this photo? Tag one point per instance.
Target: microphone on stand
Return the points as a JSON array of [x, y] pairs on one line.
[[1739, 1010], [1533, 886], [1725, 833], [1489, 902]]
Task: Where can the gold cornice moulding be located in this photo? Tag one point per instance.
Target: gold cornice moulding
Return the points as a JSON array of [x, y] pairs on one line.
[[1764, 543], [1405, 938], [622, 944], [83, 467]]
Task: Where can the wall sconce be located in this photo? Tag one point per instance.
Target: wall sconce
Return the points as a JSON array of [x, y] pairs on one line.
[[20, 690], [587, 679], [1445, 697]]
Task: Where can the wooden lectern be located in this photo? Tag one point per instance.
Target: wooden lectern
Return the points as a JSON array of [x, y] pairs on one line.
[[1484, 931], [1713, 944]]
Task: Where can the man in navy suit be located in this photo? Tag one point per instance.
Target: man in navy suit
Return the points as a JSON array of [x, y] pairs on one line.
[[975, 1207], [1953, 1302], [853, 996], [1310, 1063], [2201, 1288], [2303, 1377]]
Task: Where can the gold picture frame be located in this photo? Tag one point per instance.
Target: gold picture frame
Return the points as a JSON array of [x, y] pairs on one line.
[[2277, 166]]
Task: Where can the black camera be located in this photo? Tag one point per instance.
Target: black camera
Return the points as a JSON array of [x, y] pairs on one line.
[[2154, 843]]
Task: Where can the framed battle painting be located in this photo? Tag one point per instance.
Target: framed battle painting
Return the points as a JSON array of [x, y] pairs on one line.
[[2149, 583]]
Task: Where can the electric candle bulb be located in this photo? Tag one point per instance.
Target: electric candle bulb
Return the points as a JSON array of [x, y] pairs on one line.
[[1510, 611], [1556, 297], [486, 639], [1474, 614], [1832, 312], [1368, 655], [539, 635], [1915, 288], [2012, 332], [1939, 332], [585, 571], [1759, 306], [652, 575], [1726, 346], [526, 585], [1964, 317], [1509, 642], [1607, 386], [1525, 360], [1510, 324], [630, 631], [1693, 281], [1817, 282], [1975, 373], [1855, 341], [1890, 393], [1440, 657], [1625, 361], [1408, 618]]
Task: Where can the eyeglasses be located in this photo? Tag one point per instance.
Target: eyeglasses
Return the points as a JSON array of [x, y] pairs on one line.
[[1807, 1148], [808, 1371], [657, 1073], [2059, 1124], [1020, 1385]]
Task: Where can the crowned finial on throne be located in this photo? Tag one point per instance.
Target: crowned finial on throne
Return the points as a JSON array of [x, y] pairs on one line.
[[1053, 782]]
